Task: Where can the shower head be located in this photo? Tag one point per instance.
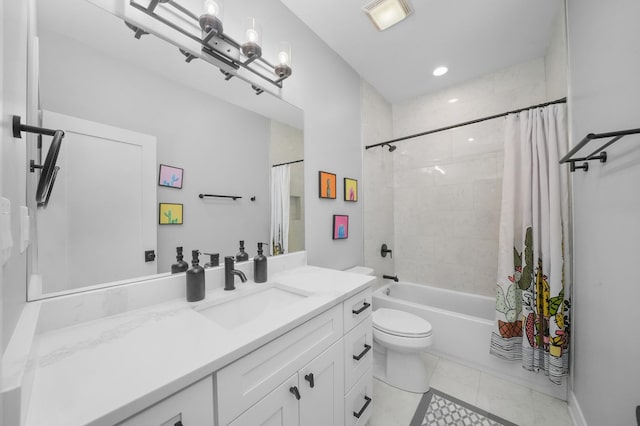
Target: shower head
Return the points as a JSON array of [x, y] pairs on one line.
[[391, 147]]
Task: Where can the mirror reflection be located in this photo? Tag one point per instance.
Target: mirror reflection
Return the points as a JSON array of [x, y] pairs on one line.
[[129, 106]]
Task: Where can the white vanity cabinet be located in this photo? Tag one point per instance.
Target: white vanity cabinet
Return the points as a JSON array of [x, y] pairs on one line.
[[191, 406], [299, 378]]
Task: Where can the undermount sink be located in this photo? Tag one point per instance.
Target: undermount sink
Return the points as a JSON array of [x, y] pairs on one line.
[[247, 308]]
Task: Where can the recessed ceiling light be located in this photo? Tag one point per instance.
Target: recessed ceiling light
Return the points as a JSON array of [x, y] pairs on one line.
[[440, 71], [471, 139], [385, 13], [453, 100]]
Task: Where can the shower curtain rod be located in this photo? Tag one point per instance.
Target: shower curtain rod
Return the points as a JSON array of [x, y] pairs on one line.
[[290, 162], [466, 123]]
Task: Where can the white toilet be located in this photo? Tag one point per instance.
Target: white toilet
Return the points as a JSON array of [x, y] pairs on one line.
[[398, 339]]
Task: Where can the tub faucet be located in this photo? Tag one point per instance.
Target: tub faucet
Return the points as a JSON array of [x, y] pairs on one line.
[[229, 272], [391, 277]]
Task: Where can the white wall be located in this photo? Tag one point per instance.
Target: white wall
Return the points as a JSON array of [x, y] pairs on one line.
[[376, 189], [604, 65], [555, 62], [222, 148], [14, 166], [448, 188]]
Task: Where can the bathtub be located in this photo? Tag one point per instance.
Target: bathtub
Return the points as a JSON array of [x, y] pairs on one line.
[[462, 326]]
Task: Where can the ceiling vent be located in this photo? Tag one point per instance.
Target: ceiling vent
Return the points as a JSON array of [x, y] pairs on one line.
[[386, 13]]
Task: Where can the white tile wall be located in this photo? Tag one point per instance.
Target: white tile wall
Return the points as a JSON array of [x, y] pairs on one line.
[[436, 199]]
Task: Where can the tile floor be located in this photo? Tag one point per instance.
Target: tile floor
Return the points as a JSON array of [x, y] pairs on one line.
[[518, 404]]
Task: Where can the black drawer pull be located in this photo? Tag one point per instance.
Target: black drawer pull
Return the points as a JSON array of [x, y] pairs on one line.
[[295, 392], [309, 378], [364, 407], [363, 353], [359, 311]]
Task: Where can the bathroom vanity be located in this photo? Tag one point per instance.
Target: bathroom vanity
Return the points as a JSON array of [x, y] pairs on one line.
[[294, 351]]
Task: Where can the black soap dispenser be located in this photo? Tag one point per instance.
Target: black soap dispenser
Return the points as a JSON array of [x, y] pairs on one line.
[[180, 265], [260, 266], [195, 279], [242, 255]]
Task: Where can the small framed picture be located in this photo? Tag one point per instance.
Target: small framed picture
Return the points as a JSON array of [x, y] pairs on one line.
[[170, 214], [350, 189], [340, 227], [170, 176], [327, 185]]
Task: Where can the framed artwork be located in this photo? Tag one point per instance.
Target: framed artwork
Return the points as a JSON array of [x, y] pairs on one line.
[[340, 227], [170, 176], [327, 185], [350, 189], [170, 214]]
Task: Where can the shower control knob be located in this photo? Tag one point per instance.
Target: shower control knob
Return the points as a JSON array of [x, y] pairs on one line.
[[384, 250]]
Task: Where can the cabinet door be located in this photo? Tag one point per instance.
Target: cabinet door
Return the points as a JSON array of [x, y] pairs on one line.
[[192, 406], [278, 408], [322, 389]]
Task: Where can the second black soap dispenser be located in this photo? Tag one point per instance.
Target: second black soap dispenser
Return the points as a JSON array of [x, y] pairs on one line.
[[260, 266], [180, 265], [242, 255], [195, 279]]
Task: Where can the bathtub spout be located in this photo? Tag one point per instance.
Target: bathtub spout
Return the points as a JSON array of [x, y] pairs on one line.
[[391, 277]]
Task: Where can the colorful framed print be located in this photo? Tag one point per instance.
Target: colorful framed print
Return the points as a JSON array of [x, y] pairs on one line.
[[170, 176], [350, 189], [327, 185], [170, 214], [340, 227]]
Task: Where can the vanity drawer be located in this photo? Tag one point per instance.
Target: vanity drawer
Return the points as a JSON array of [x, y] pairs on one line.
[[191, 406], [244, 382], [356, 309], [358, 352], [358, 403]]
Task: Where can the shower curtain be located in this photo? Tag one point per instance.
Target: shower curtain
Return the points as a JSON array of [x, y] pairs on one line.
[[532, 302], [280, 194]]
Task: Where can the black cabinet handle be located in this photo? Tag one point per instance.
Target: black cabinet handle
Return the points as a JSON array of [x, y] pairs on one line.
[[363, 353], [364, 407], [295, 392], [365, 306], [309, 378]]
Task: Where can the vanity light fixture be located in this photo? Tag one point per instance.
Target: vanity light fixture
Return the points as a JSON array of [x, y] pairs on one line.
[[217, 47], [386, 13]]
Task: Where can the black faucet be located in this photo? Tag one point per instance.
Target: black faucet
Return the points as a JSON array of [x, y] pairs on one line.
[[229, 272], [391, 277]]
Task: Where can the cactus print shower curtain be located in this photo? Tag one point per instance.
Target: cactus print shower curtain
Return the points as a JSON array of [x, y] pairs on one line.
[[532, 301]]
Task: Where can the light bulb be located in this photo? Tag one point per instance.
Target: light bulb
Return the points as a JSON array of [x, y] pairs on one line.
[[252, 36], [283, 58], [211, 7]]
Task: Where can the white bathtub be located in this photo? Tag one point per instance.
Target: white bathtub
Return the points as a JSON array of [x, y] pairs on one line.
[[462, 326]]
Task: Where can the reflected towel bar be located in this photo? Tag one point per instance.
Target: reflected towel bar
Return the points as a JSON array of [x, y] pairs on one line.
[[233, 197]]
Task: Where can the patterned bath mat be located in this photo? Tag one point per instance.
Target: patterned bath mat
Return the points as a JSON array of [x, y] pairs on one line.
[[439, 409]]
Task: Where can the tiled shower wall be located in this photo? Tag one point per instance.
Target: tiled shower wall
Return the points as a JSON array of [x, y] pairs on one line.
[[447, 186]]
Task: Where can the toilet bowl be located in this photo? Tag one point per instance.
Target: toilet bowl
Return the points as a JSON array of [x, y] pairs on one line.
[[398, 339]]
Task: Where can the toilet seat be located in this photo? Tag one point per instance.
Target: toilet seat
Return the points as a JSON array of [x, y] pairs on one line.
[[400, 323]]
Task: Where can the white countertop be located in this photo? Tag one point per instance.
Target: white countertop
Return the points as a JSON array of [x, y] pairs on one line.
[[100, 372]]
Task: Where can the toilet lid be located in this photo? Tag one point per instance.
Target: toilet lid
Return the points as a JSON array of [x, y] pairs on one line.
[[400, 323]]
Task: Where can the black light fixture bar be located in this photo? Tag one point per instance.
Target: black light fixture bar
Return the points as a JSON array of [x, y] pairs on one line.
[[219, 55]]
